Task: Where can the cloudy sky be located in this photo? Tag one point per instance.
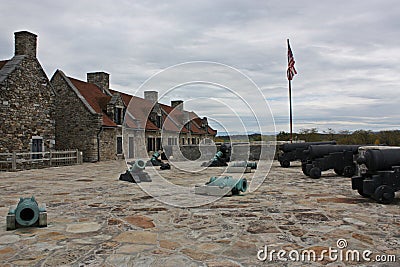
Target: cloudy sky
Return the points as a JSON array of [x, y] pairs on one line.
[[347, 53]]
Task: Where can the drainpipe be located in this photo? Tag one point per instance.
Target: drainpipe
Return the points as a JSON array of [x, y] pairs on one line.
[[98, 143]]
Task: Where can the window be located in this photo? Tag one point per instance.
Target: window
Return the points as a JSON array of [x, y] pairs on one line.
[[150, 144], [119, 145], [37, 146], [158, 122], [172, 141], [118, 115], [183, 141]]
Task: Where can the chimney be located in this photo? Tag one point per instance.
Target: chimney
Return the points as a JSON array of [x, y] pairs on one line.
[[25, 43], [101, 79], [178, 104], [152, 96]]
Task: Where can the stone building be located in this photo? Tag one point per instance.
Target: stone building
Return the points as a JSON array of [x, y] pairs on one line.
[[26, 100], [89, 117], [166, 125]]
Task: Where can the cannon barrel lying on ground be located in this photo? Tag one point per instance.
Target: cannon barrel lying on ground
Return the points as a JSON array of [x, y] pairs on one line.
[[294, 151], [379, 174], [251, 164], [325, 157], [26, 214], [222, 186]]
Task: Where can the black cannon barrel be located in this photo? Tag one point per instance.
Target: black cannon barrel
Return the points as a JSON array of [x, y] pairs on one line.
[[294, 146], [321, 150], [380, 159]]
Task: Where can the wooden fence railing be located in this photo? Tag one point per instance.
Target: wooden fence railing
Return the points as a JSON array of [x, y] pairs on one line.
[[17, 161]]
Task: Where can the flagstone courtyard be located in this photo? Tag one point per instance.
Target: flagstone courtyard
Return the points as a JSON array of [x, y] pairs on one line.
[[96, 220]]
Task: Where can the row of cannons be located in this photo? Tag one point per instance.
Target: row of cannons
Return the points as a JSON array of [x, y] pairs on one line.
[[374, 170], [215, 186]]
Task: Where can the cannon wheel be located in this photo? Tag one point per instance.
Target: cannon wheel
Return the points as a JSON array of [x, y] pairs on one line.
[[384, 194], [349, 171], [338, 171], [315, 173], [361, 192], [304, 169], [285, 163]]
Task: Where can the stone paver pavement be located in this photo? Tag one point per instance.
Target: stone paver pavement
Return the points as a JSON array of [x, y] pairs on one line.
[[96, 220]]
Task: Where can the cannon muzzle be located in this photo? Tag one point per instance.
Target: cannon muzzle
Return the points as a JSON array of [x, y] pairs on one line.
[[138, 166], [26, 214]]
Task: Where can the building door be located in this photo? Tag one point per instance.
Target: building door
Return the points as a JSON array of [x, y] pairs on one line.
[[131, 149], [158, 143], [37, 147], [119, 145], [150, 144]]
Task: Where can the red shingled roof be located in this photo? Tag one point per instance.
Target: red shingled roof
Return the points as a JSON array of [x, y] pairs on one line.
[[95, 97], [139, 109]]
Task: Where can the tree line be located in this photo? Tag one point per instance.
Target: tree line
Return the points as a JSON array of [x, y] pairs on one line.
[[345, 137]]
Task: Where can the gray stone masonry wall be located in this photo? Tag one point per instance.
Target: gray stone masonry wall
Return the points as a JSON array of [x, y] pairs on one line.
[[25, 43], [76, 127], [26, 107], [101, 79], [108, 143]]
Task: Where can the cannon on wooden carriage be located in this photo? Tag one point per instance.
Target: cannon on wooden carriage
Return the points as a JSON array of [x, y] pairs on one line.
[[295, 151], [321, 158], [379, 173]]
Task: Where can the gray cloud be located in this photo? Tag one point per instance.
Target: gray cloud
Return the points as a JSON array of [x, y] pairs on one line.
[[346, 53]]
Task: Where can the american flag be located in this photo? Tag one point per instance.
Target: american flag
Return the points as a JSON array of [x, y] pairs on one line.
[[291, 71]]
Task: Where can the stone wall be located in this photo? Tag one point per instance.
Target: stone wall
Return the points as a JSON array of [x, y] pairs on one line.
[[26, 107], [108, 143], [76, 126], [206, 152]]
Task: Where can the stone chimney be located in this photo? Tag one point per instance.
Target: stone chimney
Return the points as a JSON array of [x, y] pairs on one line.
[[101, 79], [152, 96], [25, 43], [178, 104]]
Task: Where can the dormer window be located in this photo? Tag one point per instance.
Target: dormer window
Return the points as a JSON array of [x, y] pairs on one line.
[[118, 115], [158, 121]]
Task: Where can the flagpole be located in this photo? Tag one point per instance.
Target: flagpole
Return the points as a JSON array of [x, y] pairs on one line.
[[290, 109], [290, 95]]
